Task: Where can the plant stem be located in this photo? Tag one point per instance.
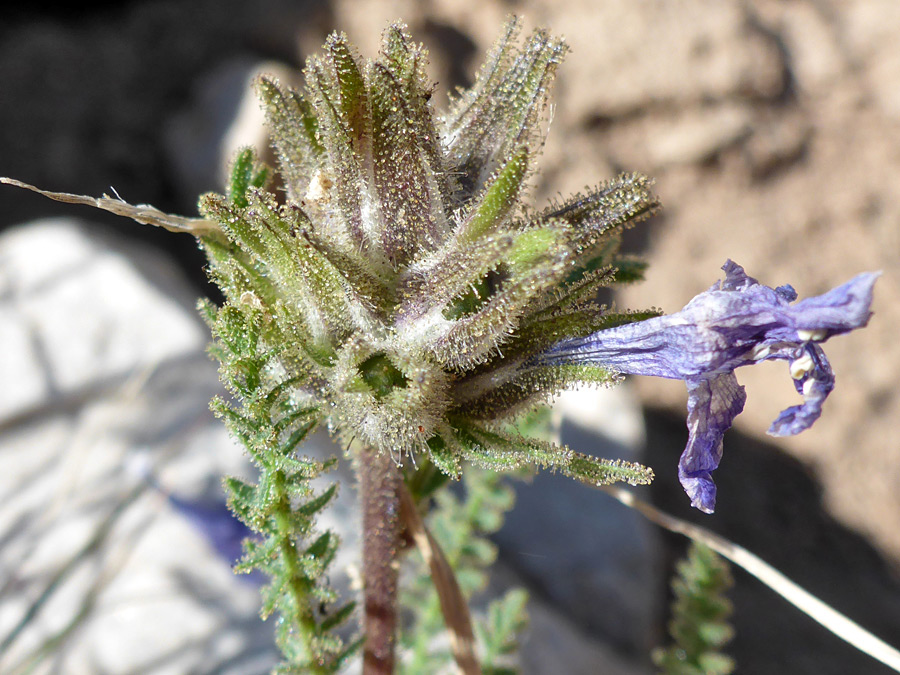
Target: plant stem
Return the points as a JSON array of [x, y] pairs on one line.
[[380, 480], [308, 629]]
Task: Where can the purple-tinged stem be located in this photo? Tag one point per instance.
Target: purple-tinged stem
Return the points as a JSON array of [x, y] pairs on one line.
[[380, 480]]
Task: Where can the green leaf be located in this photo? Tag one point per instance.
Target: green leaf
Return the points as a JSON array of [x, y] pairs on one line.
[[700, 613], [271, 596], [257, 555], [237, 333], [241, 177], [506, 617], [236, 228], [313, 506], [321, 551], [338, 617], [235, 272]]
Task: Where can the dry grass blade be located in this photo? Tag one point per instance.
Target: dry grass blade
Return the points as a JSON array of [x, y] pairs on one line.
[[818, 611], [453, 605], [142, 213]]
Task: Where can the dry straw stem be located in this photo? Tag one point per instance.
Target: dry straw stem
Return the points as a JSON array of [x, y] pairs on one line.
[[142, 213], [453, 604], [849, 631]]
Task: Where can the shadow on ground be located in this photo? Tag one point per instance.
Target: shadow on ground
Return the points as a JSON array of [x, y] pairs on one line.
[[771, 504]]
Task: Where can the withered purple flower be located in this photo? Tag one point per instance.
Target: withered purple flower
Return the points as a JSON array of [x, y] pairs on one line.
[[735, 323]]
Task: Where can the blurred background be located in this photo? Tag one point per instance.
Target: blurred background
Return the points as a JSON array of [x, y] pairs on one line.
[[773, 132]]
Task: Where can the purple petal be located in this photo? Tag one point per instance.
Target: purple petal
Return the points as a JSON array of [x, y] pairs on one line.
[[718, 331], [840, 310], [815, 383], [735, 278], [659, 347], [712, 406]]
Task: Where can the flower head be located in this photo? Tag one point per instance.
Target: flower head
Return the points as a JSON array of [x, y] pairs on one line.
[[392, 281], [735, 323]]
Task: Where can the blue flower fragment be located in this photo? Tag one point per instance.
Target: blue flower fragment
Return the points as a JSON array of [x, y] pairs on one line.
[[735, 323]]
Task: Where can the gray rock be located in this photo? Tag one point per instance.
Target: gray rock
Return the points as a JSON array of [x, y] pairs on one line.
[[593, 561], [222, 115], [555, 643]]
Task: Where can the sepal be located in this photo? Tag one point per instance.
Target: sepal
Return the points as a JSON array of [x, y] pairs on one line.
[[617, 204], [496, 203], [333, 197], [404, 172], [525, 388], [294, 129], [528, 272], [504, 108], [499, 451], [407, 61]]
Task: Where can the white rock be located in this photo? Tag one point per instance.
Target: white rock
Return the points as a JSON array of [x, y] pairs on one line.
[[75, 313], [98, 364], [612, 412]]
